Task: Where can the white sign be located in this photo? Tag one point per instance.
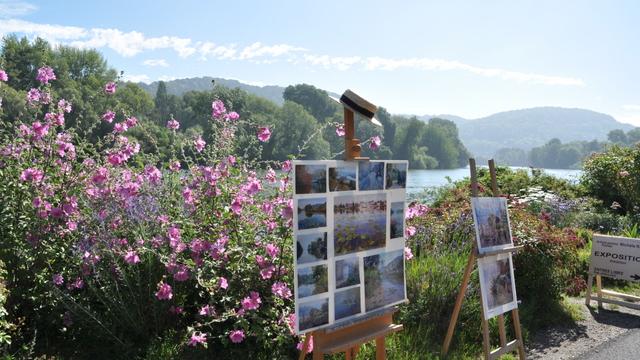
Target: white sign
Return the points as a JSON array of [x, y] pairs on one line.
[[348, 239], [615, 257]]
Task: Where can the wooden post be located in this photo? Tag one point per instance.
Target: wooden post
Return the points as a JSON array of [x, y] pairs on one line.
[[494, 190], [351, 144], [589, 286], [599, 289], [515, 314], [381, 351]]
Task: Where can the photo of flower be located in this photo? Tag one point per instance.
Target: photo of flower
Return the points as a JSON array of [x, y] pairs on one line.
[[311, 247], [311, 179], [384, 279], [347, 272], [370, 175], [396, 175], [312, 280], [312, 213], [347, 303], [360, 223], [313, 313], [492, 223], [342, 178]]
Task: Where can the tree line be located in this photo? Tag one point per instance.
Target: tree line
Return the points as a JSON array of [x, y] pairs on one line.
[[303, 126]]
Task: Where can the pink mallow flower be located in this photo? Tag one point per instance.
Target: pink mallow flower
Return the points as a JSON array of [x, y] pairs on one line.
[[58, 279], [173, 124], [45, 74], [110, 87], [236, 336], [410, 231], [309, 346], [340, 130], [223, 283], [264, 134], [408, 255], [375, 142], [251, 302], [174, 166], [272, 250], [281, 290], [108, 116], [131, 257], [119, 128], [32, 175], [217, 109], [198, 337], [3, 75], [164, 291], [199, 143]]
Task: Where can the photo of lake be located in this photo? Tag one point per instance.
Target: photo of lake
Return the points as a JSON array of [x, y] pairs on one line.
[[396, 176], [383, 279], [313, 313], [311, 179], [347, 303], [312, 213], [360, 223], [370, 175], [342, 178], [397, 220], [347, 272], [311, 247], [312, 280], [491, 220]]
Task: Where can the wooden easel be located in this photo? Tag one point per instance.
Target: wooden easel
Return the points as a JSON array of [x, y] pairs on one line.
[[601, 292], [504, 346], [349, 339]]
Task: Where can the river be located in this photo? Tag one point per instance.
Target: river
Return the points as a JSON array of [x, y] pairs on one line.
[[419, 180]]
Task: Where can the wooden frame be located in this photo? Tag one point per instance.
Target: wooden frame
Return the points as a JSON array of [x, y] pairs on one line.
[[600, 298], [505, 347]]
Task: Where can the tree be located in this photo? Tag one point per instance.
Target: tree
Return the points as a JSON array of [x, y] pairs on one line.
[[633, 136], [314, 100], [295, 129], [162, 102], [617, 136]]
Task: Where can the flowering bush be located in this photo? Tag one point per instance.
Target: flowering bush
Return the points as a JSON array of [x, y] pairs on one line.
[[109, 255]]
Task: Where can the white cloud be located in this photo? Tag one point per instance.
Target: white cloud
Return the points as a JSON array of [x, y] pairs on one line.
[[629, 119], [138, 78], [132, 43], [166, 78], [16, 8], [631, 107], [156, 62]]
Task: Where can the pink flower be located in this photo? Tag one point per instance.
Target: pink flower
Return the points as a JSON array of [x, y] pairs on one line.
[[309, 346], [375, 142], [272, 250], [408, 255], [177, 310], [287, 210], [267, 272], [236, 336], [108, 116], [33, 96], [623, 173], [110, 88], [182, 274], [119, 128], [164, 291], [251, 302], [173, 124], [264, 134], [152, 174], [3, 75], [39, 130], [233, 116], [236, 205], [217, 109], [58, 279], [131, 257], [207, 310], [45, 74], [286, 166], [64, 105], [410, 231], [199, 143], [416, 211], [174, 166], [281, 290], [198, 337], [340, 130], [32, 175], [222, 283], [271, 176], [131, 121]]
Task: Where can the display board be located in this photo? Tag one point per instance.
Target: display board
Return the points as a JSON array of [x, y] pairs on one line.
[[491, 219], [348, 239], [615, 257], [497, 284]]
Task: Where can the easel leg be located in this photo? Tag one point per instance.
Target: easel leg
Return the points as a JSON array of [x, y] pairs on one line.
[[501, 331], [381, 353], [515, 314], [317, 355], [458, 304], [599, 289], [486, 340], [589, 285]]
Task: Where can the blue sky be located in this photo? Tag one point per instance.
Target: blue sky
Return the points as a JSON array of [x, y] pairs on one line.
[[423, 57]]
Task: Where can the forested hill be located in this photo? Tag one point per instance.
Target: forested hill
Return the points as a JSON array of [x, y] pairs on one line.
[[180, 86], [529, 128]]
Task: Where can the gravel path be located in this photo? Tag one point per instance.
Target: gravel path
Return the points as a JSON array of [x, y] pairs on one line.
[[610, 333]]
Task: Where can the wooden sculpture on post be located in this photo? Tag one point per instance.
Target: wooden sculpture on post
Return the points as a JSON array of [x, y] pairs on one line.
[[354, 104]]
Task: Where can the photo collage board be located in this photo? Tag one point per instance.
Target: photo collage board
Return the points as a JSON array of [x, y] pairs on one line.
[[348, 239], [493, 232]]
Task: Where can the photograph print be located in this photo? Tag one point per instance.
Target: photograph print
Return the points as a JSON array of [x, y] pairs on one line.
[[347, 303], [311, 179], [396, 175], [397, 220], [312, 213], [347, 272], [491, 223], [311, 247], [359, 223], [342, 178], [497, 284], [313, 314], [370, 175], [312, 280], [384, 279]]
